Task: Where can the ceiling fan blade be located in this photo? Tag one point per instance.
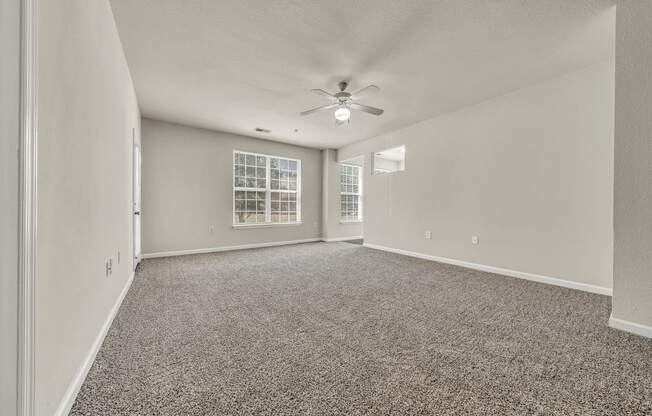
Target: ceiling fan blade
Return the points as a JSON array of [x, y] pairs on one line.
[[371, 110], [368, 88], [314, 110], [323, 93]]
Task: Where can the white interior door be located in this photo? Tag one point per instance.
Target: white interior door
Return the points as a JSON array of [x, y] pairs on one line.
[[136, 207]]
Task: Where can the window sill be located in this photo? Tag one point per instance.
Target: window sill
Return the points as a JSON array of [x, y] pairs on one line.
[[350, 221], [266, 225]]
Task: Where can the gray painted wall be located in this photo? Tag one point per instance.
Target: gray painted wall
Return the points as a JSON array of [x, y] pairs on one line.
[[187, 188], [530, 173], [332, 227], [632, 300], [9, 139], [87, 109]]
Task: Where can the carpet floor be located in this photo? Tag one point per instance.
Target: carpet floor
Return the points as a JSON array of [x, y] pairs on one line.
[[340, 329]]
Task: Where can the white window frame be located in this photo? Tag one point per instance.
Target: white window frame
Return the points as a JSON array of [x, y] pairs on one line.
[[358, 194], [268, 192]]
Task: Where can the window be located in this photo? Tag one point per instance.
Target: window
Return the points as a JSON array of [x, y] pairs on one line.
[[350, 193], [266, 189], [389, 161]]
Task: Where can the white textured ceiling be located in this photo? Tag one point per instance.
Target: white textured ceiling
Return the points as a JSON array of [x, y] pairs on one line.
[[234, 65]]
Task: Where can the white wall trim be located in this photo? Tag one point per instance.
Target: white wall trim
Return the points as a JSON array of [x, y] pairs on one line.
[[331, 240], [73, 389], [27, 272], [498, 270], [226, 248], [634, 328]]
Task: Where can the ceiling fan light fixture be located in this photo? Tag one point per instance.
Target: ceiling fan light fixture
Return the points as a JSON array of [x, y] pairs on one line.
[[342, 114]]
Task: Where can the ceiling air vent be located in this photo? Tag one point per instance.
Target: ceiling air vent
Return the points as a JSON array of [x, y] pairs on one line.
[[259, 130]]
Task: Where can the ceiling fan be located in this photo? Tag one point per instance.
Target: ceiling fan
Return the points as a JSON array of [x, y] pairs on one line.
[[344, 102]]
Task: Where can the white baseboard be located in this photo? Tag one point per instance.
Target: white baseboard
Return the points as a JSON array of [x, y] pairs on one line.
[[498, 270], [226, 248], [634, 328], [73, 389], [331, 240]]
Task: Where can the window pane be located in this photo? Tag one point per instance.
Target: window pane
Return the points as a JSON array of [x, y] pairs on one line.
[[250, 183], [293, 165], [261, 183], [283, 163], [292, 217], [239, 181], [275, 184], [275, 173], [260, 161], [240, 194], [240, 158], [250, 217], [239, 205]]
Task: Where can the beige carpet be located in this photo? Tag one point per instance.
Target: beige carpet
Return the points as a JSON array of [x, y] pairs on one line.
[[339, 329]]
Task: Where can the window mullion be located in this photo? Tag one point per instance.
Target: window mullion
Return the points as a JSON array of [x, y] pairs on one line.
[[298, 193], [268, 193]]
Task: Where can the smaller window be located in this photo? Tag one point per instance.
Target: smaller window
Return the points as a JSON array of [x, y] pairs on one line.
[[350, 193], [389, 161]]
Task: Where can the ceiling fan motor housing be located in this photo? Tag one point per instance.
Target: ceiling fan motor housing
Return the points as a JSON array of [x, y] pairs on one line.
[[343, 97]]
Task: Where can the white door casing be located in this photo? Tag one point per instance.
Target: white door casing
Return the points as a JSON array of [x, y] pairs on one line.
[[136, 203]]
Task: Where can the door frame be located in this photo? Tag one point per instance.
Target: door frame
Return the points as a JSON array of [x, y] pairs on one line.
[[136, 184], [28, 144]]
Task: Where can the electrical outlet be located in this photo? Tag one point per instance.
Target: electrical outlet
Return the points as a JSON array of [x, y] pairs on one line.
[[118, 256], [428, 235], [211, 229], [475, 240], [109, 267]]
